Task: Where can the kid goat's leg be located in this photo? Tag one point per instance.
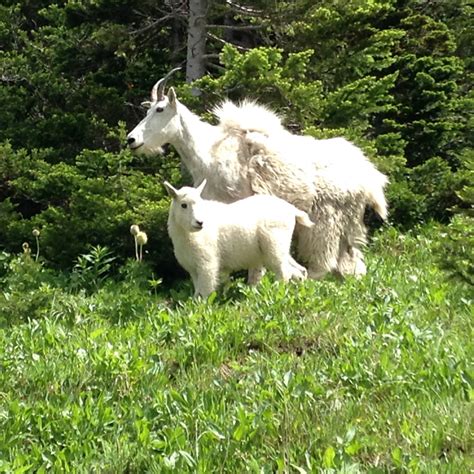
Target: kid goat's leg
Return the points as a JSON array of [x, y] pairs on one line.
[[255, 275], [206, 283]]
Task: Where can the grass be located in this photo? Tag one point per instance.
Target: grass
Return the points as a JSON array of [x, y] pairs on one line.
[[371, 375]]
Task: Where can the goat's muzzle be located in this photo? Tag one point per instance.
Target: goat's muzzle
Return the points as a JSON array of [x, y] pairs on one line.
[[133, 144], [198, 225]]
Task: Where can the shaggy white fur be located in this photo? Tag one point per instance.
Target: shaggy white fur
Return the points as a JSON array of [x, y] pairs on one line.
[[250, 152], [212, 239]]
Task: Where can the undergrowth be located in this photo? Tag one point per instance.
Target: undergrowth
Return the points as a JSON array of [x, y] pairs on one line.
[[122, 375]]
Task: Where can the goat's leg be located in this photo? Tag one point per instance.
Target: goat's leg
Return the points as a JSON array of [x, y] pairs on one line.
[[277, 256], [299, 272], [194, 278], [360, 268], [316, 273], [205, 284], [289, 269], [351, 262], [315, 247], [319, 269], [255, 275], [285, 267]]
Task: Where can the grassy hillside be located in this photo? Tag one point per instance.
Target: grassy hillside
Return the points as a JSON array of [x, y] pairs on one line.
[[102, 375]]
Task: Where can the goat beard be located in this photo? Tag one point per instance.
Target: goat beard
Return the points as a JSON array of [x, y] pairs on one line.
[[147, 151]]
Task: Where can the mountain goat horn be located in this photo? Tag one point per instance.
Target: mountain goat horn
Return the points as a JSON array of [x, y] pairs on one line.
[[157, 93]]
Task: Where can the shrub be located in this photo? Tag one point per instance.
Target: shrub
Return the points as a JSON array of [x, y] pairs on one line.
[[91, 203], [27, 288], [457, 248]]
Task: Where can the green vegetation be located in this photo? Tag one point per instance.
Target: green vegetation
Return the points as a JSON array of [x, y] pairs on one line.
[[392, 76], [121, 375], [107, 365]]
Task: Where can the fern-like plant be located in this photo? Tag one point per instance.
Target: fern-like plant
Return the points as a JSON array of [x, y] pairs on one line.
[[92, 269]]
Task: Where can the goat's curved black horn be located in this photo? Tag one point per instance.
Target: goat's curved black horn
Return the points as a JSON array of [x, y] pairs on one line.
[[158, 91]]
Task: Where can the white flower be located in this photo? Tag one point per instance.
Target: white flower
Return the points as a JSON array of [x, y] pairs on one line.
[[142, 238], [81, 353]]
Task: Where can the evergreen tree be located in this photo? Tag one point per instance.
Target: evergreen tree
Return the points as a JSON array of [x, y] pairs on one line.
[[393, 76]]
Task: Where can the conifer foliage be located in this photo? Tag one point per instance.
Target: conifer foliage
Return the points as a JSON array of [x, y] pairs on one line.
[[393, 76]]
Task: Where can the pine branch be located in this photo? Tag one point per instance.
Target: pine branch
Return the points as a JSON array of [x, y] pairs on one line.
[[236, 27], [221, 41], [246, 10]]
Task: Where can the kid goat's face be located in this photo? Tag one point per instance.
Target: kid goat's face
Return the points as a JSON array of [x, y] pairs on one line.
[[189, 212], [188, 208]]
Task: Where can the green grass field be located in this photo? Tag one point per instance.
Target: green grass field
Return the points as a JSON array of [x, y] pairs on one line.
[[370, 375]]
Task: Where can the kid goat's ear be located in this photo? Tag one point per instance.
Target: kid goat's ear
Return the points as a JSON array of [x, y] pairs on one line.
[[201, 187], [171, 191]]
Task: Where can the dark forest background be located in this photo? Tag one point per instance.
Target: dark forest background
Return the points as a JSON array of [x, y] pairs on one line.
[[393, 76]]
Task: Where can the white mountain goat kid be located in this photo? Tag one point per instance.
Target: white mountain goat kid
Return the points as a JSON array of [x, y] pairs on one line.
[[250, 152], [212, 239]]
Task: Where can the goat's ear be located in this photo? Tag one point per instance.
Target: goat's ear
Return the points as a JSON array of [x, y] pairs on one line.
[[201, 187], [146, 104], [171, 191], [172, 97]]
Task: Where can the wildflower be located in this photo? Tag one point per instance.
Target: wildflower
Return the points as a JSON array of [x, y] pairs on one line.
[[81, 353], [141, 239], [36, 234], [134, 230], [26, 248]]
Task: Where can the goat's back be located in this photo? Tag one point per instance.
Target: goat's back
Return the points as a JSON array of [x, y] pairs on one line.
[[239, 234], [257, 211]]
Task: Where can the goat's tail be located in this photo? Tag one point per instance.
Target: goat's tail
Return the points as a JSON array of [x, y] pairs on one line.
[[376, 197], [303, 218]]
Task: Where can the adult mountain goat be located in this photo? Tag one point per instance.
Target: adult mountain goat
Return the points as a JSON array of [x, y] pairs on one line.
[[250, 152], [212, 239]]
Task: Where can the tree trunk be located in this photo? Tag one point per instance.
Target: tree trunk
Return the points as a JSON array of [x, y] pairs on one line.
[[178, 13], [196, 64]]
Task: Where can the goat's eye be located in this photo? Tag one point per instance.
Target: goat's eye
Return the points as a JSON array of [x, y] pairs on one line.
[[159, 109], [184, 205]]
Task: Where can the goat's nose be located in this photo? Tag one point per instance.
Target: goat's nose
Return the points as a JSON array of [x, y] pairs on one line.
[[130, 141], [199, 223]]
